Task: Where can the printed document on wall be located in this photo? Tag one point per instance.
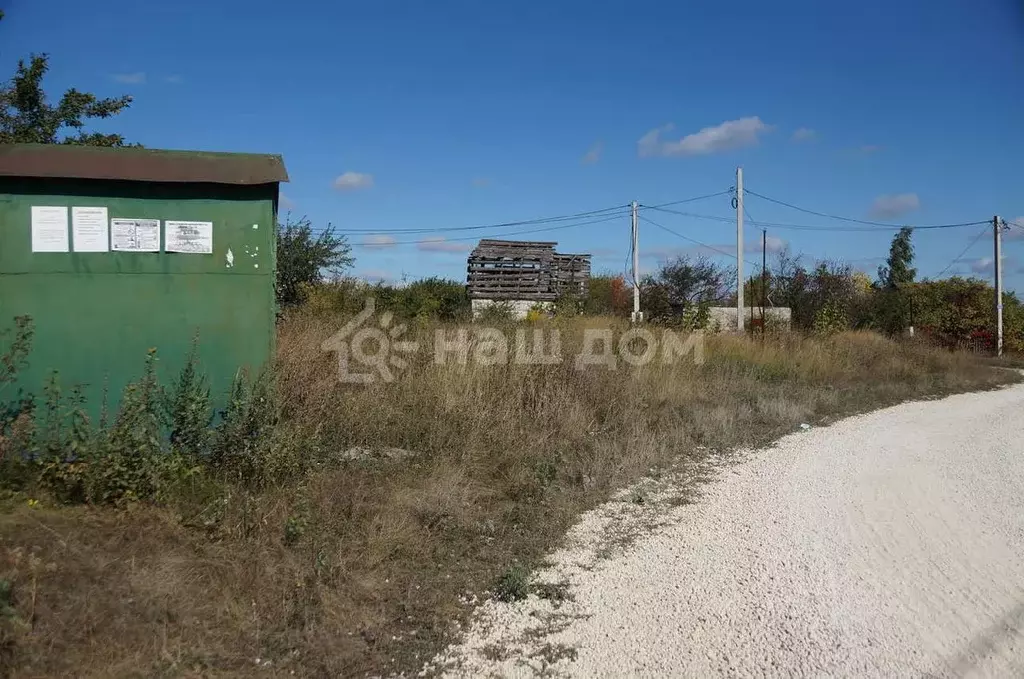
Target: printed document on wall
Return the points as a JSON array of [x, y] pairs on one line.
[[190, 237], [89, 230], [135, 235], [49, 229]]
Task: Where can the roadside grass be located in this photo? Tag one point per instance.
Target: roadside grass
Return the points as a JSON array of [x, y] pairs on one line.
[[332, 566]]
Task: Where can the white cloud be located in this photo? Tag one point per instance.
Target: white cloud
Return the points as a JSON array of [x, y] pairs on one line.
[[285, 202], [772, 244], [983, 265], [138, 78], [353, 181], [804, 134], [481, 182], [732, 134], [173, 79], [894, 205], [868, 149], [378, 242], [593, 154], [442, 245], [980, 265]]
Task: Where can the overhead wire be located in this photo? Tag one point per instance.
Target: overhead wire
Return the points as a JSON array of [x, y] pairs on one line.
[[694, 240], [525, 222], [854, 219], [809, 227], [960, 256], [691, 200], [616, 209], [496, 235]]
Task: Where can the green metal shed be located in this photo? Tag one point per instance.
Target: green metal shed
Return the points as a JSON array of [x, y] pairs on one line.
[[116, 251]]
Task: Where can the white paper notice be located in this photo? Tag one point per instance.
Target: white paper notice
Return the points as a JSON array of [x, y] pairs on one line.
[[49, 229], [135, 235], [89, 231], [192, 237]]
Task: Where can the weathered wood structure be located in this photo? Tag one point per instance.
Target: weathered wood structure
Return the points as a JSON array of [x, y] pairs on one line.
[[532, 271]]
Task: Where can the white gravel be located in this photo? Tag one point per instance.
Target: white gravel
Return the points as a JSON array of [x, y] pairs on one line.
[[889, 544]]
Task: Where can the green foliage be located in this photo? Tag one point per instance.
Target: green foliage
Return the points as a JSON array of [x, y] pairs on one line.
[[568, 305], [14, 351], [428, 298], [497, 312], [513, 585], [682, 287], [695, 317], [898, 270], [608, 295], [959, 311], [303, 258], [807, 292], [252, 445], [126, 465], [189, 410], [27, 117], [830, 319], [14, 356]]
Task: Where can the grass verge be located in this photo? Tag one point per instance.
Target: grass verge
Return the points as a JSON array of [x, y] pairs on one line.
[[357, 565]]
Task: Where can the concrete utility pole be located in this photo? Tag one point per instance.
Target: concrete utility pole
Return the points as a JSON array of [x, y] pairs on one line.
[[637, 316], [739, 249], [997, 229], [764, 279]]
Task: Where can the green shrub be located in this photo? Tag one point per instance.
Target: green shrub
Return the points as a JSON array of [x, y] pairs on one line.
[[252, 445], [514, 584], [497, 312], [830, 319], [189, 411]]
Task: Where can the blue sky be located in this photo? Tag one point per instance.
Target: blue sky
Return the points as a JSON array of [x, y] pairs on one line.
[[415, 115]]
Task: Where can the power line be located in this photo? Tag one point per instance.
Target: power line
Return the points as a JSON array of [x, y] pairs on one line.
[[693, 240], [957, 258], [725, 220], [496, 235], [690, 200], [526, 222], [809, 227], [853, 219]]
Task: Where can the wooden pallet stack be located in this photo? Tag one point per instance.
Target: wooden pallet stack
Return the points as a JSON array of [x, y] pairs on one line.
[[525, 270]]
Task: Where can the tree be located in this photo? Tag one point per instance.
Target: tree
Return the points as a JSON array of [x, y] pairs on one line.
[[303, 259], [608, 295], [895, 308], [898, 270], [26, 117], [684, 285]]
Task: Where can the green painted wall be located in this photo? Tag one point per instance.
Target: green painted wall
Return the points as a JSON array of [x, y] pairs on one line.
[[96, 314]]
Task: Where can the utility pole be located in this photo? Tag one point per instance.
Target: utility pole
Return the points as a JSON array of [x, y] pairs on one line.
[[637, 316], [997, 229], [764, 279], [739, 249]]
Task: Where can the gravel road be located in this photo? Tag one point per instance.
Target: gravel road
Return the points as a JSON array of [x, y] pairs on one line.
[[889, 544]]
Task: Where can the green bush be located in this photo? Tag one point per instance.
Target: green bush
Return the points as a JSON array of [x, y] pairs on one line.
[[189, 411], [830, 319], [161, 446]]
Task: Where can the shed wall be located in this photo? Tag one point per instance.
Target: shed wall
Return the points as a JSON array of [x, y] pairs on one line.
[[96, 314]]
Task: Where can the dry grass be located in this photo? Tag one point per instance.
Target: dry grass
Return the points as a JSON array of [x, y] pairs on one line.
[[360, 568]]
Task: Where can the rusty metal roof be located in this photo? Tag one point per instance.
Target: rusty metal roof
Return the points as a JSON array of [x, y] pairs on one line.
[[140, 165]]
